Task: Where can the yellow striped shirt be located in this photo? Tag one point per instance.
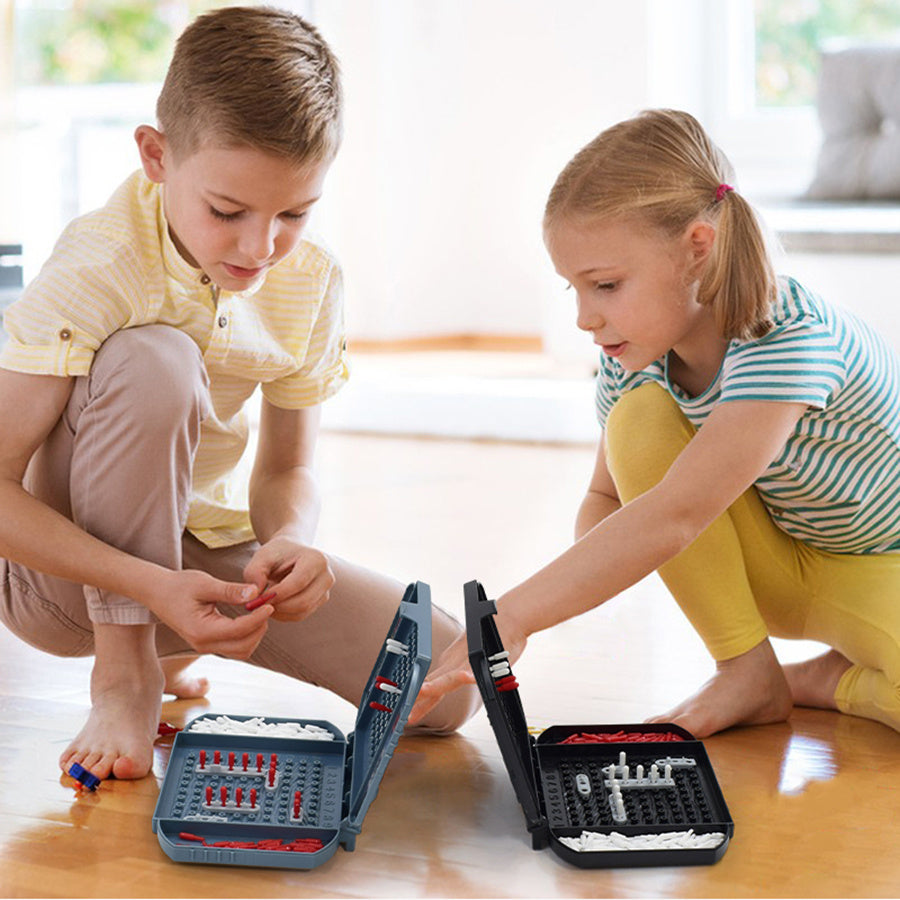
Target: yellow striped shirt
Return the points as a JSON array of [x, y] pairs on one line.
[[118, 268]]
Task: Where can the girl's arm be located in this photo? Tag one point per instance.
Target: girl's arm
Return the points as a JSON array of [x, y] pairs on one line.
[[284, 510], [33, 534], [621, 545], [602, 498], [728, 454]]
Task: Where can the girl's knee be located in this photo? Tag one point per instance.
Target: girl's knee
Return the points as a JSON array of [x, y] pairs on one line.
[[645, 432]]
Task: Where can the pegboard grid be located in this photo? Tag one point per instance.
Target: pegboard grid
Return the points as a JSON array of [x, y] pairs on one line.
[[398, 672], [684, 804]]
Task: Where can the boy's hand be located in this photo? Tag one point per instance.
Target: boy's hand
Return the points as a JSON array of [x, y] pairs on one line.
[[187, 604], [294, 578]]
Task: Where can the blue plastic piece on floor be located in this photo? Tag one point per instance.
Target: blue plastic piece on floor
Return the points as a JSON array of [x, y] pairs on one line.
[[88, 779]]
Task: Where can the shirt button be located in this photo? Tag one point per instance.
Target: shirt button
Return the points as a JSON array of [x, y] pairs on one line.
[[65, 334], [223, 321], [205, 279]]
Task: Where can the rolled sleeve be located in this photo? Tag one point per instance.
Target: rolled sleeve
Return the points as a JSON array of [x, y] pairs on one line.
[[324, 370]]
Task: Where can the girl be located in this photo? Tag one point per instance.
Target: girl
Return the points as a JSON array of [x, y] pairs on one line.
[[751, 445]]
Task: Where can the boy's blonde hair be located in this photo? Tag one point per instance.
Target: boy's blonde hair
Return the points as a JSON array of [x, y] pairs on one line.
[[256, 77], [662, 170]]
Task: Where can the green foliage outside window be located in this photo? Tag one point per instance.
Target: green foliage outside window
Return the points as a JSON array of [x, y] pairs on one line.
[[98, 41], [790, 34]]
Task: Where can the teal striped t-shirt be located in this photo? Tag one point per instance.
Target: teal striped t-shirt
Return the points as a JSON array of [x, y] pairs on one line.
[[836, 484]]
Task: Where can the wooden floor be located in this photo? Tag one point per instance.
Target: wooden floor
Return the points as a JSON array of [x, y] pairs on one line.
[[815, 801]]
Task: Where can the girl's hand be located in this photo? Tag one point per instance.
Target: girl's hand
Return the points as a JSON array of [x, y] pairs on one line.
[[294, 578], [453, 670], [186, 602]]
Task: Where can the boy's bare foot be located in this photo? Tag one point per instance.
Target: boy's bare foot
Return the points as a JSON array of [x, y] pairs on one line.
[[814, 681], [177, 681], [126, 698], [750, 689]]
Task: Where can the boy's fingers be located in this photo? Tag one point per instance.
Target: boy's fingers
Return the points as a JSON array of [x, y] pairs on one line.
[[237, 593], [236, 637]]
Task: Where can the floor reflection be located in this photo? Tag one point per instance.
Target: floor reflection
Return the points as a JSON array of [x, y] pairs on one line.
[[805, 760]]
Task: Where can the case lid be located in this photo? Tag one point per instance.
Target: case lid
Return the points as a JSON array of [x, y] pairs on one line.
[[504, 707], [401, 667]]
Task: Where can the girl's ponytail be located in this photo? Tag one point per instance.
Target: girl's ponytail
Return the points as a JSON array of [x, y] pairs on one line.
[[738, 281]]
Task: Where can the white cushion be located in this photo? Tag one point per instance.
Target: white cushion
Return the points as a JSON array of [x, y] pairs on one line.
[[859, 109]]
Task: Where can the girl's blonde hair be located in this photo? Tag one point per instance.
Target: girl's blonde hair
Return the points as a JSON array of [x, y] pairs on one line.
[[253, 76], [661, 169]]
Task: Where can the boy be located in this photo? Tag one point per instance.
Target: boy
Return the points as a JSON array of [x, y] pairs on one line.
[[122, 386]]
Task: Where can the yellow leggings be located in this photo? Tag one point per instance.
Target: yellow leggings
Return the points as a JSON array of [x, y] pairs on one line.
[[744, 579]]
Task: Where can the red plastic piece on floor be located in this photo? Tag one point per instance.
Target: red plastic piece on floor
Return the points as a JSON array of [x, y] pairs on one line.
[[165, 729]]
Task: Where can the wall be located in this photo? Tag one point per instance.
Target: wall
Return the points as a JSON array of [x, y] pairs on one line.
[[459, 115]]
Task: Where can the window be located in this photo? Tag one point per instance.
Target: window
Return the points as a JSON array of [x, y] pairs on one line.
[[759, 62], [97, 43], [789, 34]]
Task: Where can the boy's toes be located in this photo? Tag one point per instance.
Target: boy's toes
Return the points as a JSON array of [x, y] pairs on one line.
[[128, 767]]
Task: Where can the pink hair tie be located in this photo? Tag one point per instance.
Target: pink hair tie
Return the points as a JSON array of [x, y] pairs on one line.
[[722, 190]]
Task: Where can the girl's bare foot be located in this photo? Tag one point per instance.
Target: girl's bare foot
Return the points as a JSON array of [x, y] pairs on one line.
[[126, 698], [814, 681], [750, 689], [178, 683]]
